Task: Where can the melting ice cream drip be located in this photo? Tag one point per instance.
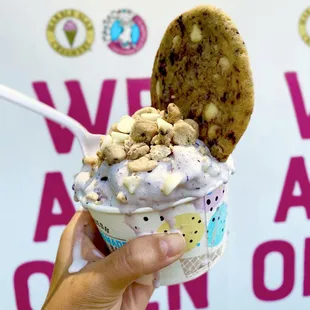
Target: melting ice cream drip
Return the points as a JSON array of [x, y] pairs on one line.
[[129, 221], [78, 262], [169, 216]]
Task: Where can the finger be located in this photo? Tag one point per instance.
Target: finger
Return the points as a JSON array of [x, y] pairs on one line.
[[93, 233], [141, 256], [81, 221]]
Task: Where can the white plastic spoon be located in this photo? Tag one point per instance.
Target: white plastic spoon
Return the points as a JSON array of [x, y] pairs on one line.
[[88, 142]]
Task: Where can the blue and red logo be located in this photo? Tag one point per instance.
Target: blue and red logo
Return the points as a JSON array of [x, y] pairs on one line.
[[125, 32]]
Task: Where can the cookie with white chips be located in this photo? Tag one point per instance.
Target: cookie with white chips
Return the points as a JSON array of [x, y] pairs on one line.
[[202, 66]]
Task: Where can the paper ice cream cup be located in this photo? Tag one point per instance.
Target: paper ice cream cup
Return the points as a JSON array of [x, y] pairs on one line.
[[202, 222]]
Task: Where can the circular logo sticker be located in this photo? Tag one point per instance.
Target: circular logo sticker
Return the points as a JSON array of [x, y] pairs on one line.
[[125, 32], [70, 33], [303, 26]]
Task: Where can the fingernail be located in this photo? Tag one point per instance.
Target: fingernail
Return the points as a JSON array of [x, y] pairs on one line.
[[172, 244]]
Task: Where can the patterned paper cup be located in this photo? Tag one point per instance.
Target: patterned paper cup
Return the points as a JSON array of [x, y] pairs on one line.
[[202, 222]]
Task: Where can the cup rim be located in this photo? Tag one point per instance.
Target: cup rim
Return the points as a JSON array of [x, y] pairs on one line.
[[114, 210]]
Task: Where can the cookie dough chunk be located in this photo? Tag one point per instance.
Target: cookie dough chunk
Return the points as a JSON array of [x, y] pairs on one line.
[[143, 131], [142, 164], [138, 150], [163, 139], [128, 144], [159, 152], [174, 114], [114, 154], [203, 67], [184, 134], [194, 125], [90, 160]]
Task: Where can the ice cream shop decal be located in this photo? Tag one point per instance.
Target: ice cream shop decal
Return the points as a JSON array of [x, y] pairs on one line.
[[70, 33]]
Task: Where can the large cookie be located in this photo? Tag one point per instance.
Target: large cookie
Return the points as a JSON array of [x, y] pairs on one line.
[[202, 66]]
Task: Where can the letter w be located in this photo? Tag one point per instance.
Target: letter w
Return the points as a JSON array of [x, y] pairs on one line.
[[299, 105], [63, 138]]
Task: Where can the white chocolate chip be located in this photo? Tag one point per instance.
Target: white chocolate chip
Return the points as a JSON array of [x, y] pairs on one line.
[[106, 141], [131, 183], [125, 124], [214, 170], [113, 128], [101, 139], [202, 150], [210, 111], [224, 64], [158, 89], [171, 182], [145, 110], [119, 137], [205, 163], [92, 196], [150, 116], [214, 131], [196, 35], [163, 126], [176, 40]]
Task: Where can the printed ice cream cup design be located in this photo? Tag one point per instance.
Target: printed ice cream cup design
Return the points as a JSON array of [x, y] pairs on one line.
[[152, 175], [202, 222]]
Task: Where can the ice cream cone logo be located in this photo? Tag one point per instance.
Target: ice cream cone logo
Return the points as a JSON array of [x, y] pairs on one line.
[[124, 31], [70, 33], [302, 26], [70, 30]]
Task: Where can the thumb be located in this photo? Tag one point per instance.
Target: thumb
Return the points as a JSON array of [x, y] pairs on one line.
[[141, 256]]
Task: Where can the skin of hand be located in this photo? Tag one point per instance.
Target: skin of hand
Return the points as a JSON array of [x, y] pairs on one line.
[[108, 280]]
